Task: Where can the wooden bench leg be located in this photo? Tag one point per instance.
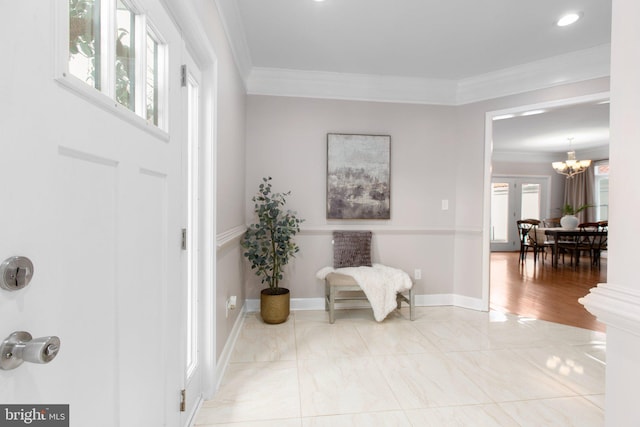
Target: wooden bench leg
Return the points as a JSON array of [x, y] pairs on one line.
[[332, 304], [326, 296], [411, 304]]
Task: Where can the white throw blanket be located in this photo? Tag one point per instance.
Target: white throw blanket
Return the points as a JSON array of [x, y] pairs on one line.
[[379, 283]]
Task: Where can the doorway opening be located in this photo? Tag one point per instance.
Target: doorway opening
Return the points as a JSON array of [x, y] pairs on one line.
[[512, 197]]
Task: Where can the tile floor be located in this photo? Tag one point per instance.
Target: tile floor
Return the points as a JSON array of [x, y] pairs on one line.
[[449, 367]]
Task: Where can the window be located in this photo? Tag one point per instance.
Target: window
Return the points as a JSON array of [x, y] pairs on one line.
[[601, 172], [152, 82], [530, 201], [84, 41], [113, 49], [125, 56]]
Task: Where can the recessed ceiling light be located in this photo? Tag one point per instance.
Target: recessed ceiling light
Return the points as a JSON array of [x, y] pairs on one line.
[[533, 112], [568, 19], [504, 116], [318, 1]]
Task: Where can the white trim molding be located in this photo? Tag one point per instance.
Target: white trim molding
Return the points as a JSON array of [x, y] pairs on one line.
[[360, 87], [227, 237], [615, 306], [558, 70], [394, 230], [225, 355], [232, 23], [564, 69], [433, 300]]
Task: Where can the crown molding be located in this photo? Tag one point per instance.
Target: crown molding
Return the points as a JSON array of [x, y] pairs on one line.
[[232, 24], [558, 70], [359, 87]]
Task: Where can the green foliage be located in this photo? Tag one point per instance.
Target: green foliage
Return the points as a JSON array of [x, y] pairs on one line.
[[570, 210], [84, 39], [124, 69], [269, 243], [83, 33]]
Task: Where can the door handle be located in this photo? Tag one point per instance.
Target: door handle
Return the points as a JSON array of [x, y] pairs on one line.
[[15, 273], [21, 347]]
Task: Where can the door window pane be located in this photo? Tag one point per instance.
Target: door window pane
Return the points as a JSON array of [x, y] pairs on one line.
[[499, 211], [84, 41], [125, 56], [530, 208], [152, 80], [127, 64]]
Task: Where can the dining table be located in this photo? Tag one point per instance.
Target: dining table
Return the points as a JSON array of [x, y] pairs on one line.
[[557, 233]]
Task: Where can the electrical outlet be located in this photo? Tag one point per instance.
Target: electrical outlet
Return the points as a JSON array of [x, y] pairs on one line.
[[417, 274], [230, 305]]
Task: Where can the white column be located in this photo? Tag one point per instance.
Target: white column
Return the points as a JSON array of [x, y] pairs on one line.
[[617, 303]]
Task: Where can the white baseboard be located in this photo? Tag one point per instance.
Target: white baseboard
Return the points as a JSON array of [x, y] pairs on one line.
[[196, 408], [298, 304], [225, 356]]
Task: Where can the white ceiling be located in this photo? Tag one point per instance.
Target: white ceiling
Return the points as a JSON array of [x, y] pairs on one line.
[[441, 39], [548, 132], [358, 49]]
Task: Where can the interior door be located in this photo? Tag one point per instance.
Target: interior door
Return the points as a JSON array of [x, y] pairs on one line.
[[514, 198], [193, 280], [94, 202]]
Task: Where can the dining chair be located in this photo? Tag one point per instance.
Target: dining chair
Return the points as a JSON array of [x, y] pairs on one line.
[[530, 239], [600, 242], [583, 244]]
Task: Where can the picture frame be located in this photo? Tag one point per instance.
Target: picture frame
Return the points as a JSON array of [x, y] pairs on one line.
[[358, 176]]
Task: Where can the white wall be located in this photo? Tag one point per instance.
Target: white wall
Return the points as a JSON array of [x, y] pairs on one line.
[[437, 153], [286, 139]]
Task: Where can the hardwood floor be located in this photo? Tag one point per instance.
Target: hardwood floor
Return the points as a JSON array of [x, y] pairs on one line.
[[544, 292]]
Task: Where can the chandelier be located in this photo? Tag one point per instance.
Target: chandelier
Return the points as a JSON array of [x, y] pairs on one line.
[[571, 166]]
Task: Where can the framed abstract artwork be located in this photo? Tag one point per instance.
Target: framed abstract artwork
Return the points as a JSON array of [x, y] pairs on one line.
[[358, 174]]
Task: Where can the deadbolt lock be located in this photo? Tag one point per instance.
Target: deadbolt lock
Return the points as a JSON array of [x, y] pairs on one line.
[[15, 273]]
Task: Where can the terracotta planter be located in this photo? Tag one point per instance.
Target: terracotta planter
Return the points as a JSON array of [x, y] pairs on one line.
[[274, 307]]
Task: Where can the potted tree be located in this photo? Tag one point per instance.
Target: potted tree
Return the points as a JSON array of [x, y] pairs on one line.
[[569, 219], [269, 246]]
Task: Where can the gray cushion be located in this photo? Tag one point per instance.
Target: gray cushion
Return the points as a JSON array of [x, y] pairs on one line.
[[351, 249]]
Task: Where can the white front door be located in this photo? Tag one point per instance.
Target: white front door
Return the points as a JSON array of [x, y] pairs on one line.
[[95, 202]]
